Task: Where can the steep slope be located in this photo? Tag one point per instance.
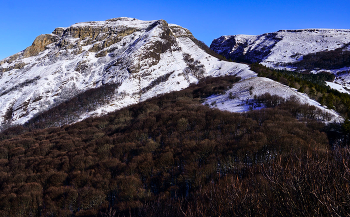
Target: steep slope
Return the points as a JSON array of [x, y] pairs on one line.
[[309, 49], [138, 59]]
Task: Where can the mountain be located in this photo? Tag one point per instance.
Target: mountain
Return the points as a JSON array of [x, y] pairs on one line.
[[92, 68], [312, 50], [108, 64]]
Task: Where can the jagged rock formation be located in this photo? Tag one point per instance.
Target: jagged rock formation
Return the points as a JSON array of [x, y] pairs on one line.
[[140, 59]]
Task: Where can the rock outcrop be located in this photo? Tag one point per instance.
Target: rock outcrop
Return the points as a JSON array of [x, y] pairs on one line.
[[39, 45]]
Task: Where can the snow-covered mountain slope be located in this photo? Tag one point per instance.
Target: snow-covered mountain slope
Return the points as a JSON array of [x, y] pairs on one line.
[[141, 58], [240, 98], [287, 49], [282, 47], [107, 65]]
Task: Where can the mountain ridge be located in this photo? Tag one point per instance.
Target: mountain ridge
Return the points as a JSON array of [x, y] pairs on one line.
[[295, 50], [271, 45], [143, 58]]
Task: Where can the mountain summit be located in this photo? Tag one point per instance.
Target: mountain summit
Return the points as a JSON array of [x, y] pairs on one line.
[[135, 59]]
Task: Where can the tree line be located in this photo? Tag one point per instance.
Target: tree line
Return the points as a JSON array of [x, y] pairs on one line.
[[334, 59], [312, 84]]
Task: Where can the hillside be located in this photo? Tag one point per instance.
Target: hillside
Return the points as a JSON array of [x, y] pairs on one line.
[[306, 50], [173, 156]]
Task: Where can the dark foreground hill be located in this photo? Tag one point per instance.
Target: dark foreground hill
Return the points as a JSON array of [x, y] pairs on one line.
[[173, 156]]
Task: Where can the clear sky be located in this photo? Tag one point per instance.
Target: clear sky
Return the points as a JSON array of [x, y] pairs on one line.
[[21, 21]]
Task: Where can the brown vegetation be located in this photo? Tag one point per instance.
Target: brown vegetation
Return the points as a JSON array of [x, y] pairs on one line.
[[172, 156]]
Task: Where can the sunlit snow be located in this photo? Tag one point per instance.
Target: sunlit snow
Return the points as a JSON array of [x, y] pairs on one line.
[[64, 69]]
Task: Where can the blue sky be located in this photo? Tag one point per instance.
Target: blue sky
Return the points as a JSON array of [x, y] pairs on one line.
[[22, 21]]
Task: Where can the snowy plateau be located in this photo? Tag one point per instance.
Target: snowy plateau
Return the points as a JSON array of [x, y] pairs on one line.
[[284, 48], [141, 58]]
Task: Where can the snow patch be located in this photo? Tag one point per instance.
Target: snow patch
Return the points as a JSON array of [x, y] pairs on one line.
[[238, 98], [337, 87]]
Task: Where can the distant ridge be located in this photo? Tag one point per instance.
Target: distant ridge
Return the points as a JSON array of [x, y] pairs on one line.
[[302, 49]]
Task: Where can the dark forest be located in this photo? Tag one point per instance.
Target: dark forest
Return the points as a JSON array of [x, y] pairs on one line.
[[173, 156]]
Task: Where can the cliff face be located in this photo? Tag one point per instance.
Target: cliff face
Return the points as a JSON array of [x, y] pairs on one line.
[[141, 59], [245, 48]]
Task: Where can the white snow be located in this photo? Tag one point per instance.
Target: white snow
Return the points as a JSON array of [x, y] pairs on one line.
[[118, 22], [244, 91], [280, 49], [337, 87], [292, 45]]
